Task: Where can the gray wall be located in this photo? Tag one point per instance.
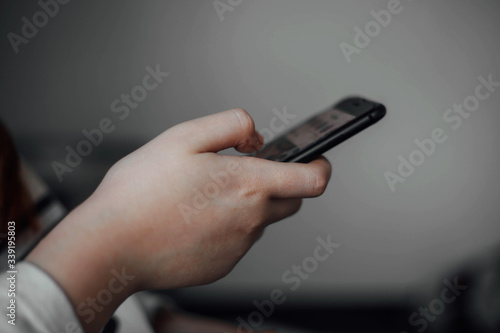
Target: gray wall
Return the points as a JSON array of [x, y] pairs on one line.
[[276, 54]]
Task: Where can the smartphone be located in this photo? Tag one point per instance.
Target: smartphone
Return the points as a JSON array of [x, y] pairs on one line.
[[315, 136]]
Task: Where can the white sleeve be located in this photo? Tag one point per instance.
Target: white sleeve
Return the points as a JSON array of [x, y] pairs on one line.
[[40, 305]]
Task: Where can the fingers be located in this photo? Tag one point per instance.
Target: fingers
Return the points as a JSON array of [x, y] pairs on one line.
[[293, 180], [282, 208], [233, 128]]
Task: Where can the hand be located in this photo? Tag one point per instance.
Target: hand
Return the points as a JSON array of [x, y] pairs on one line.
[[175, 213]]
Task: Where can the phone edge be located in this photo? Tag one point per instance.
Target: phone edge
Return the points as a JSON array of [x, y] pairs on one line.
[[364, 122]]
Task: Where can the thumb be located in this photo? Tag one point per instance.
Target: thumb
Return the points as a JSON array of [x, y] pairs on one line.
[[227, 129]]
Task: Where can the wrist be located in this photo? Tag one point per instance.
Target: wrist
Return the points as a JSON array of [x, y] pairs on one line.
[[88, 267]]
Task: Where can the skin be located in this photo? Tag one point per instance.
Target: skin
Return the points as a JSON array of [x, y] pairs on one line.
[[133, 220]]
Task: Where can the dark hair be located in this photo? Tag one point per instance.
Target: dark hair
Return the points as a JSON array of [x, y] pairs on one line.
[[16, 203]]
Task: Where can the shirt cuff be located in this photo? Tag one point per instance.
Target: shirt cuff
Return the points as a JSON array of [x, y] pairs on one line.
[[41, 305]]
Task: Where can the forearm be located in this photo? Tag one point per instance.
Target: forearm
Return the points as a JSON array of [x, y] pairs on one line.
[[79, 255]]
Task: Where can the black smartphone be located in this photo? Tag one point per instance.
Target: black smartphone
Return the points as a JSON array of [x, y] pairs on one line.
[[324, 131]]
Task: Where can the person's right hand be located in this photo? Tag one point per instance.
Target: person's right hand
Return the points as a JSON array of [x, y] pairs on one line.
[[175, 213]]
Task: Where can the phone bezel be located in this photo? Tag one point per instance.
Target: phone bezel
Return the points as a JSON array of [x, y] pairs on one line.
[[366, 113]]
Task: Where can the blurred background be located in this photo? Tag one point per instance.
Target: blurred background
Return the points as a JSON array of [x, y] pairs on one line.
[[399, 249]]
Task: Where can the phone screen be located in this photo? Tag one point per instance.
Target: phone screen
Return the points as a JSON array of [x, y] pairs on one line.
[[306, 134]]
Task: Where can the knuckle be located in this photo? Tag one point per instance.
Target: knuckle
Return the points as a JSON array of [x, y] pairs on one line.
[[252, 200], [250, 193], [250, 184], [246, 122]]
